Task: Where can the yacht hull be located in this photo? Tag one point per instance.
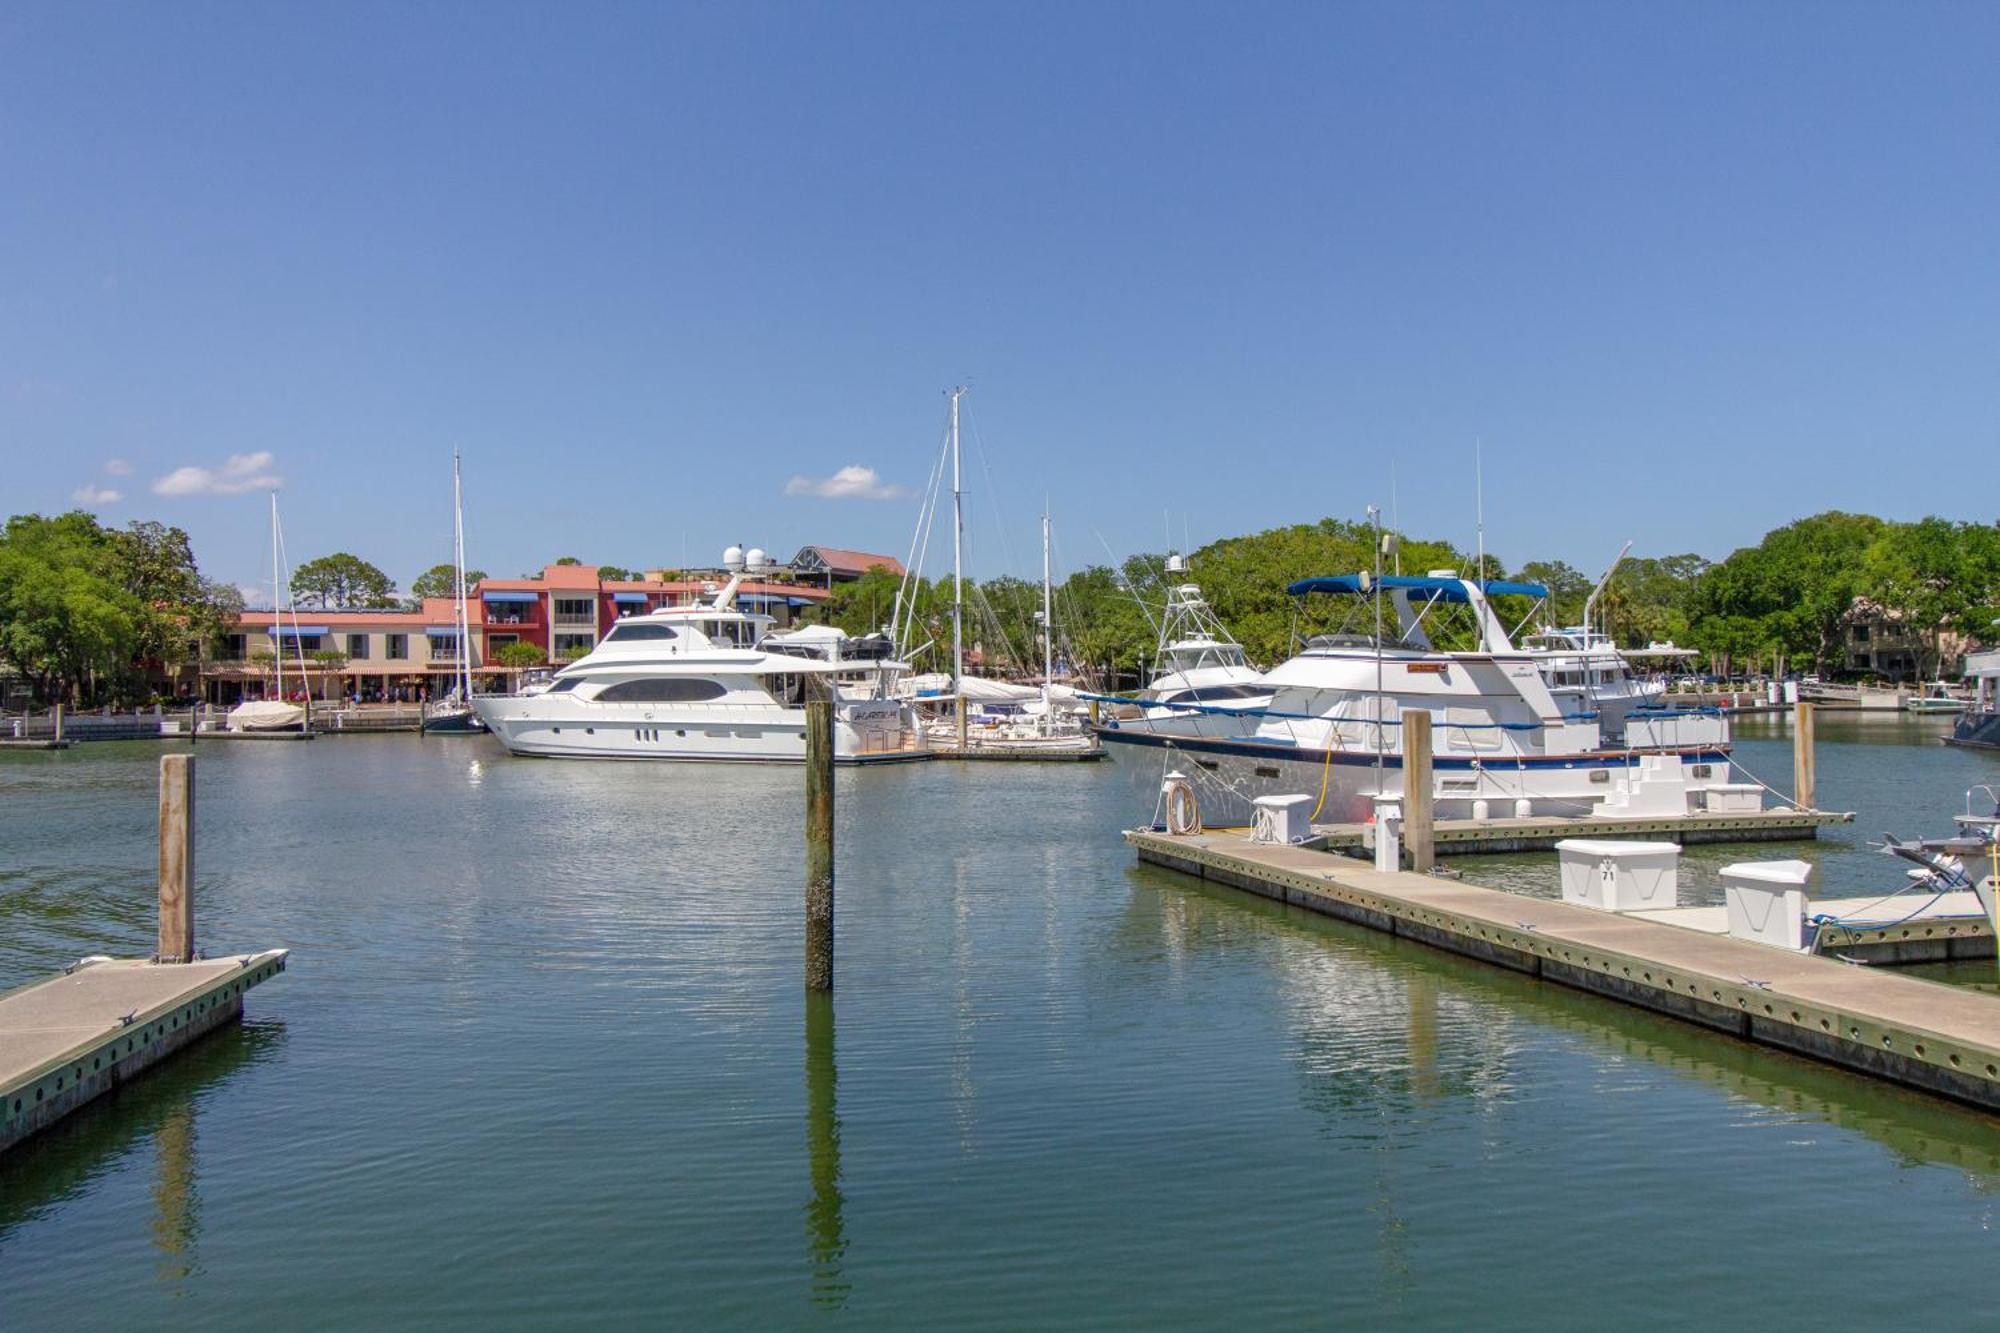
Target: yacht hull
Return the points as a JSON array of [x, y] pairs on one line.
[[1229, 774], [556, 727]]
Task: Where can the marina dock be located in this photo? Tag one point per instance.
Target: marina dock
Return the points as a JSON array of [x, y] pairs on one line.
[[73, 1038], [70, 1039], [1538, 833], [1938, 1039]]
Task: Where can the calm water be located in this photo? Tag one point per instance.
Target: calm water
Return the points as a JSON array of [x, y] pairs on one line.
[[543, 1056]]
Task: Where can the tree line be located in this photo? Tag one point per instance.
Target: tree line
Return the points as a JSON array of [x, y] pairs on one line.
[[1792, 600], [88, 612]]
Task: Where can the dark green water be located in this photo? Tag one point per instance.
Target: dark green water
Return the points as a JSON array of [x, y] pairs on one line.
[[543, 1057]]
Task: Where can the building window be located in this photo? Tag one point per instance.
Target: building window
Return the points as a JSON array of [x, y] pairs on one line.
[[573, 643], [444, 647], [299, 643], [232, 649], [576, 611], [397, 647], [1861, 634], [495, 642], [357, 647]]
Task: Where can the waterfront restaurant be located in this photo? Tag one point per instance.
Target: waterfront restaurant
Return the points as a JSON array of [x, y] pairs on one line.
[[399, 656]]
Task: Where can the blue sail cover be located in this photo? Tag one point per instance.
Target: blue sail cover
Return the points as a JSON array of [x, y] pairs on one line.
[[1439, 590]]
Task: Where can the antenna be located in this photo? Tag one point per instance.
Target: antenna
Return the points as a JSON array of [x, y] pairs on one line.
[[1395, 516], [1479, 503]]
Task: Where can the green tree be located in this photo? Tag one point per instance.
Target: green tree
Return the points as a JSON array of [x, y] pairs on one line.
[[568, 560], [441, 581], [616, 573], [518, 656], [68, 619], [1569, 588], [340, 579]]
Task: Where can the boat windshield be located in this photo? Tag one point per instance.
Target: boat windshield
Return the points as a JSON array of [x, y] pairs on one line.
[[1197, 656]]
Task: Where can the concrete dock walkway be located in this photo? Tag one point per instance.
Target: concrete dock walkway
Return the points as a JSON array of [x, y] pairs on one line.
[[1920, 1034], [74, 1037]]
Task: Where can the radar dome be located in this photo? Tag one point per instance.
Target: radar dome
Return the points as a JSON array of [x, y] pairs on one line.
[[757, 560], [732, 558]]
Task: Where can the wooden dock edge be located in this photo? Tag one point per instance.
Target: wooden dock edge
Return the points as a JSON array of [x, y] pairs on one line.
[[45, 1094], [1471, 837], [1954, 1066]]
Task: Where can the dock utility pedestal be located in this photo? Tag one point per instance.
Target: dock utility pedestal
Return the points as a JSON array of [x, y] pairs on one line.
[[1767, 902], [1620, 876], [1281, 819]]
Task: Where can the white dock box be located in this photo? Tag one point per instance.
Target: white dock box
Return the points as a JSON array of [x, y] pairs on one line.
[[1620, 876], [1281, 819], [1732, 798], [1767, 902]]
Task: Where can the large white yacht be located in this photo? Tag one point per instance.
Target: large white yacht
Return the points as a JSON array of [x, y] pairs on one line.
[[1503, 743], [706, 682]]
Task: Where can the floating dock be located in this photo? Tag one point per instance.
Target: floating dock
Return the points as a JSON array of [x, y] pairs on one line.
[[1022, 755], [1939, 1039], [1469, 837], [70, 1039]]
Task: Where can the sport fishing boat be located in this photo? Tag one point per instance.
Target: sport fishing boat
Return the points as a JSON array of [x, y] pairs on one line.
[[702, 682], [1202, 683], [1502, 742]]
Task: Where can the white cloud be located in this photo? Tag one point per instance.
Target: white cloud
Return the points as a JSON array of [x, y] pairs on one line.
[[92, 494], [118, 467], [852, 482], [243, 472]]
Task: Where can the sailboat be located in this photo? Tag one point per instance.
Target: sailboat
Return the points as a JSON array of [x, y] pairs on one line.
[[273, 714], [990, 715], [453, 715]]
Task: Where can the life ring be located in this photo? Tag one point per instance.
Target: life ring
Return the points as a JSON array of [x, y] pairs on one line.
[[1183, 810]]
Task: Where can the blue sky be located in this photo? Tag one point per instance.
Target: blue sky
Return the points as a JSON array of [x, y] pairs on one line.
[[1688, 271]]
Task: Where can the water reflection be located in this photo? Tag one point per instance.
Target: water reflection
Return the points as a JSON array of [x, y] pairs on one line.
[[165, 1104], [826, 1237], [1467, 1023], [176, 1203]]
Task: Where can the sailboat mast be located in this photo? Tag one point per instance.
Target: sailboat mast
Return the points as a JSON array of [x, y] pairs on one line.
[[957, 560], [458, 572], [1048, 613], [1479, 502], [277, 600]]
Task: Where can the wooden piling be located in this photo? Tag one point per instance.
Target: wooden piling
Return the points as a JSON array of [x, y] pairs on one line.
[[1418, 796], [57, 718], [1802, 755], [176, 858], [819, 833]]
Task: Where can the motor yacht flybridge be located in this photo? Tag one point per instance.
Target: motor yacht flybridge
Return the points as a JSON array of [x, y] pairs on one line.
[[707, 681], [1503, 741]]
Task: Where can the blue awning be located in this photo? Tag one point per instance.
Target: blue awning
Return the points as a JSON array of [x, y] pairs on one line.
[[796, 602], [510, 596], [1440, 590], [629, 597], [441, 631], [303, 630]]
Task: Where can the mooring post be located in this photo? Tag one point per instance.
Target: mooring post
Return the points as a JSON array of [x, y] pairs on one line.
[[960, 709], [1417, 793], [819, 833], [55, 718], [176, 858], [1802, 755]]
